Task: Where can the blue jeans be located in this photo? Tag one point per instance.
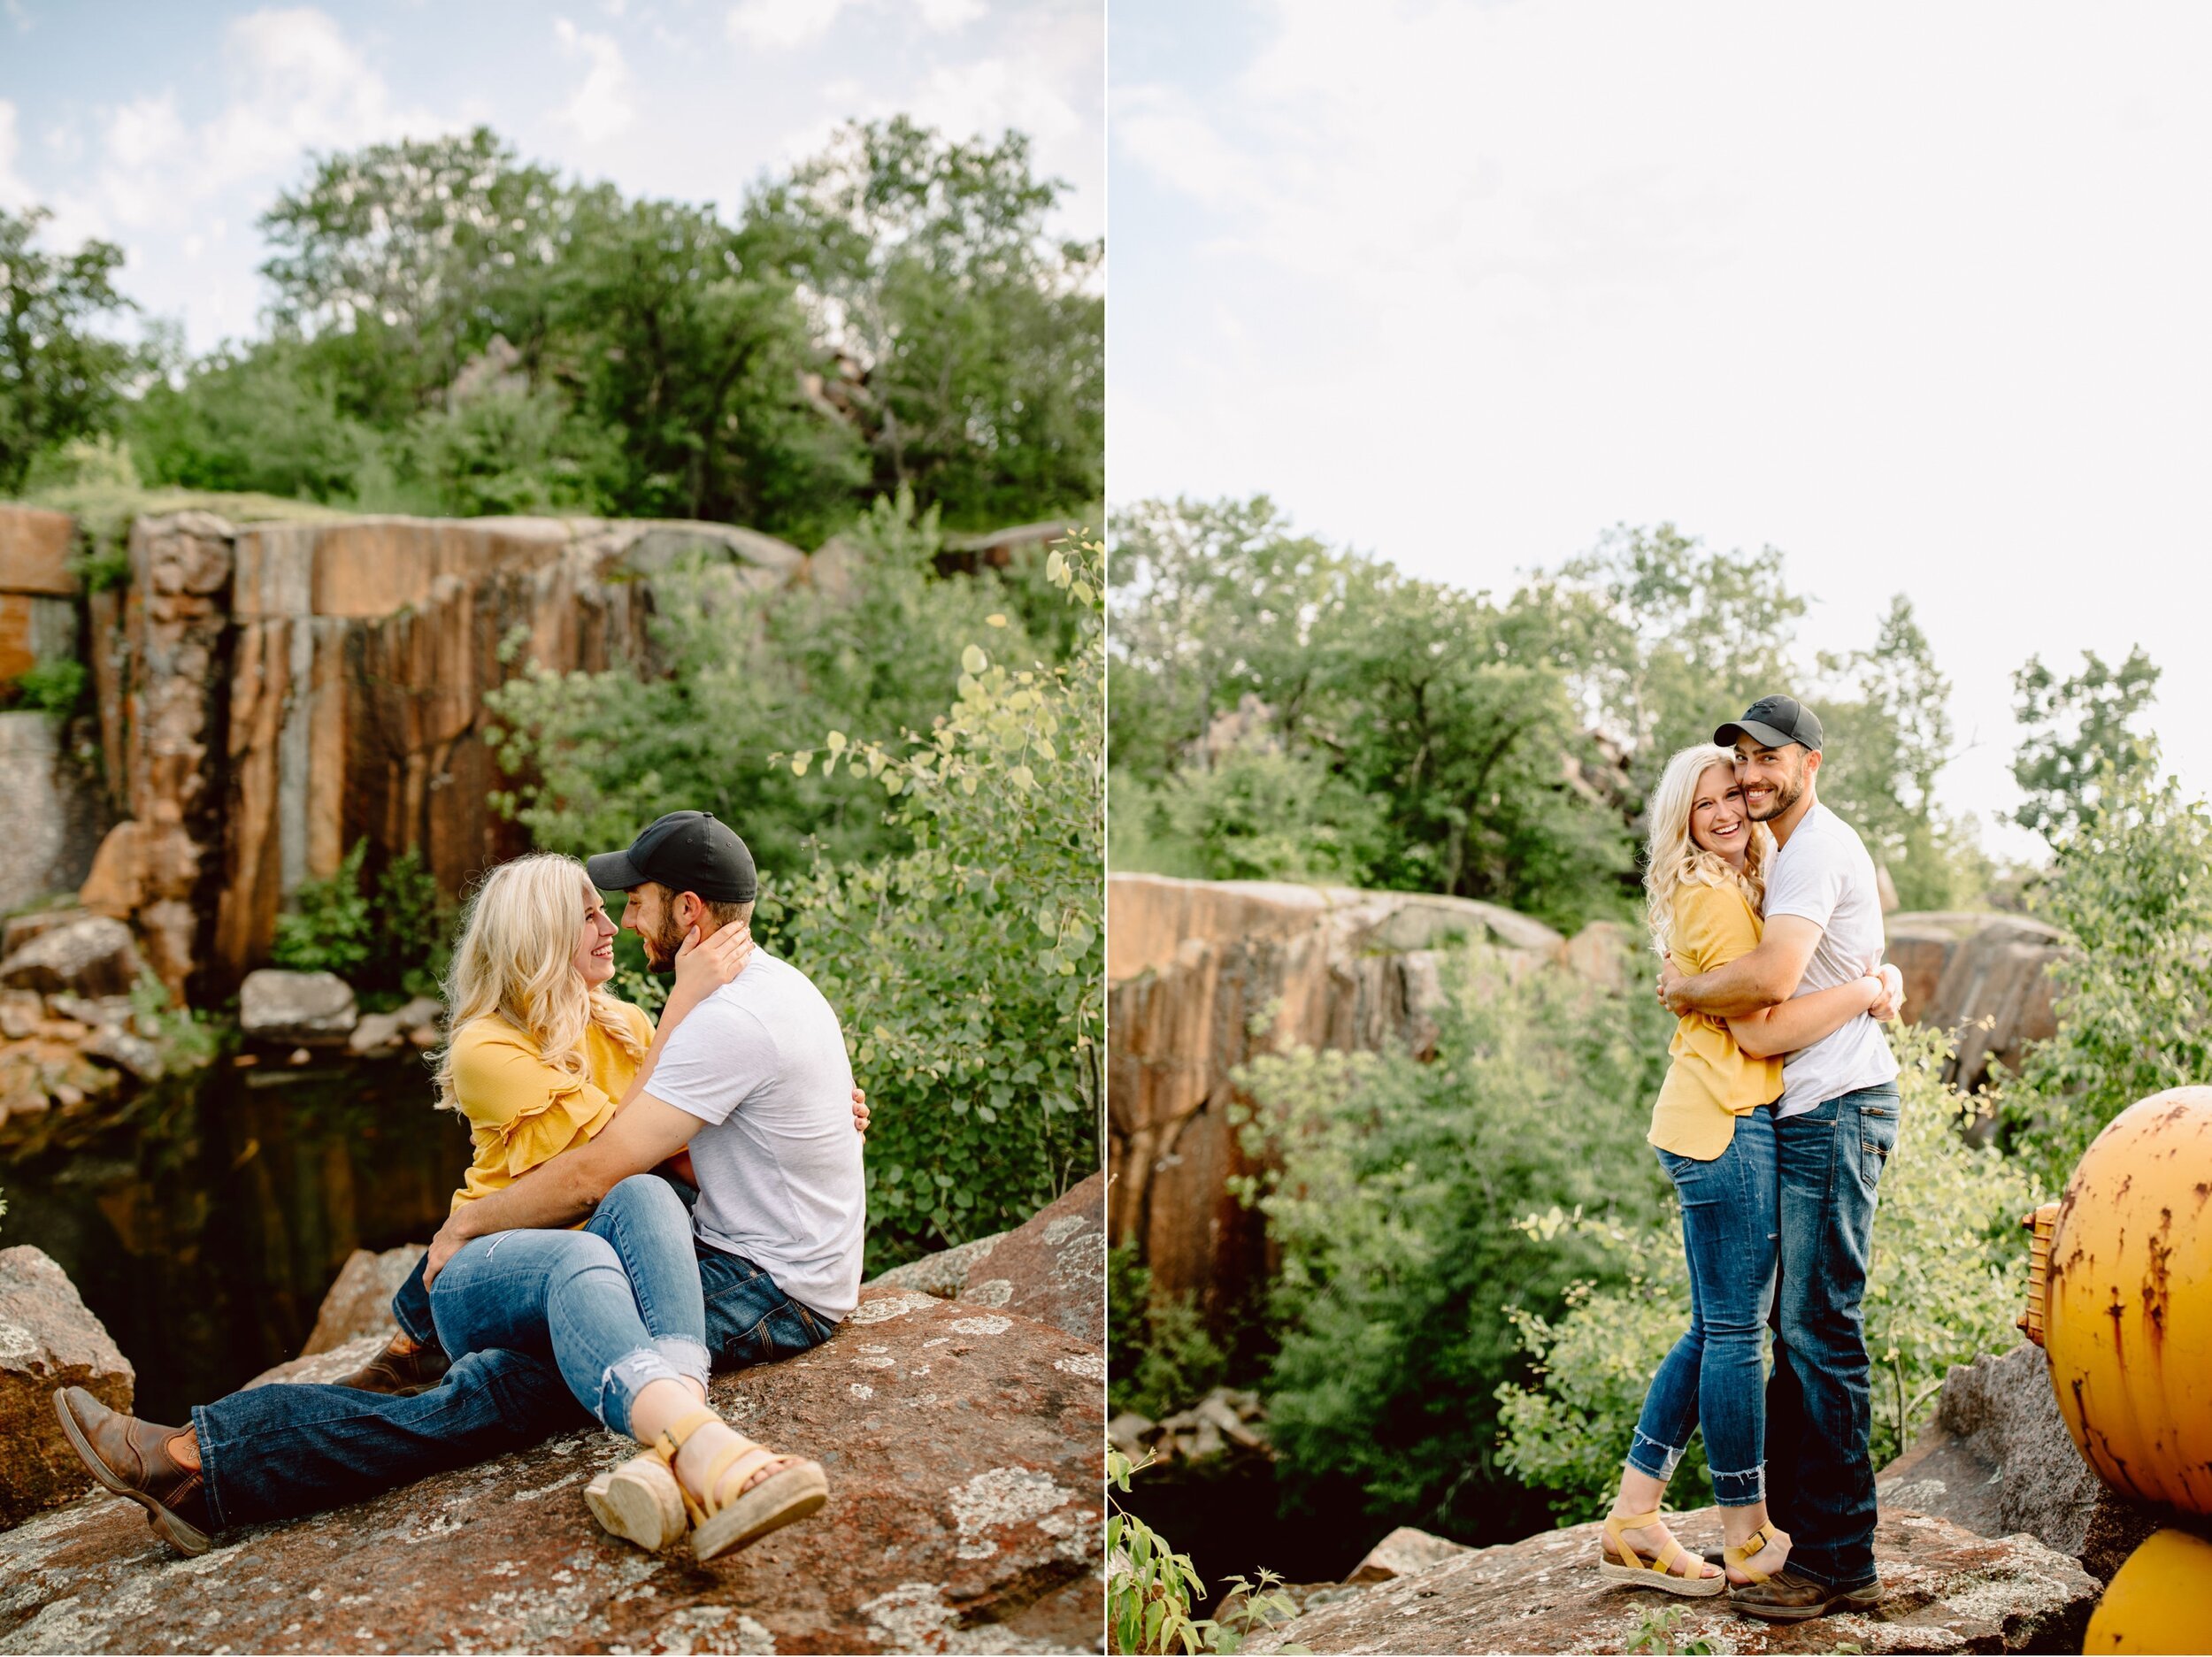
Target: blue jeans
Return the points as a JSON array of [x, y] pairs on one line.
[[616, 1305], [279, 1452], [1830, 1160], [1713, 1376]]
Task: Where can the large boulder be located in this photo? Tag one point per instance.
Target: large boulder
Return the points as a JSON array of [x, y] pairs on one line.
[[360, 1302], [1986, 978], [1051, 1266], [93, 955], [965, 1514], [274, 1005], [1947, 1591], [48, 1340], [1997, 1461]]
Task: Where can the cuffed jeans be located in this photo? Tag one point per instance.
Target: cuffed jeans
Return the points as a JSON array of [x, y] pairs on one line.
[[279, 1452], [1830, 1160], [617, 1306], [1713, 1377]]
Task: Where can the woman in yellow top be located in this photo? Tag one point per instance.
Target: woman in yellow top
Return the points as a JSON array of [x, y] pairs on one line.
[[1714, 1131]]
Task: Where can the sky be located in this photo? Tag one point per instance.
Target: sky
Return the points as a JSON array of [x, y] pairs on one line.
[[1916, 293], [170, 128]]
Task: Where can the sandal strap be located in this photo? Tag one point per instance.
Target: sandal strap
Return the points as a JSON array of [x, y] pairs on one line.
[[1755, 1543], [1663, 1566], [673, 1437]]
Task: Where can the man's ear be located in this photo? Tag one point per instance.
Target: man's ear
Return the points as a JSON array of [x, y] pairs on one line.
[[1812, 763]]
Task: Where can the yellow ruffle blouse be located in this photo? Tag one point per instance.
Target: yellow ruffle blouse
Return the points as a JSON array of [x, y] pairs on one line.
[[522, 1110], [1712, 1081]]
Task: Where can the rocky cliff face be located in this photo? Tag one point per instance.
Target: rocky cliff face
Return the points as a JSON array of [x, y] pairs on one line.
[[51, 813], [273, 692], [1201, 976]]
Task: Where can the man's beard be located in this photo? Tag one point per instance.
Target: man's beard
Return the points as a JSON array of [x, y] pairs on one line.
[[662, 945], [1785, 795]]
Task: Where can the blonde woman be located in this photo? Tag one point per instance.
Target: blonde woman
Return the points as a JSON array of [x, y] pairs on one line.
[[1713, 1131]]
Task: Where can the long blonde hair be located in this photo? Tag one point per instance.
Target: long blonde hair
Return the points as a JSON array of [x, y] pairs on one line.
[[514, 961], [1674, 860]]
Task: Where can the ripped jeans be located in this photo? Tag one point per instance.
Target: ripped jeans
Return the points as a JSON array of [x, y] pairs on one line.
[[1715, 1378], [616, 1305]]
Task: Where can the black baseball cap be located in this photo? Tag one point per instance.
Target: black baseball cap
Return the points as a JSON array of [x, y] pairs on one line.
[[686, 851], [1775, 721]]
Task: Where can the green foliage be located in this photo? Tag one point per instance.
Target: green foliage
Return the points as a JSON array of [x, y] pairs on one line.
[[1455, 750], [735, 673], [1394, 1206], [391, 935], [188, 1041], [969, 970], [1262, 814], [1944, 1283], [326, 929], [62, 373], [1149, 1587], [978, 343], [1654, 1633], [2078, 742], [1160, 1356], [2132, 887], [53, 684]]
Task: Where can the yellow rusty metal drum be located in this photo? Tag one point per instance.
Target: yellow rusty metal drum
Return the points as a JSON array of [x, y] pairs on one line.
[[2160, 1601], [2128, 1306]]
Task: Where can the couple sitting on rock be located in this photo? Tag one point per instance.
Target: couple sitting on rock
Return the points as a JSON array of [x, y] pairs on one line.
[[579, 1107]]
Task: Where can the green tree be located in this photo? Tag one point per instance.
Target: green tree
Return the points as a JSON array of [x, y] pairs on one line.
[[61, 377], [267, 418], [1393, 1201], [2078, 738], [1888, 729], [1661, 637], [977, 343], [2130, 885], [970, 971]]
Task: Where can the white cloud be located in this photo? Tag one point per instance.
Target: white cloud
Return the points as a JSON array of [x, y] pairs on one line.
[[605, 103], [781, 24], [943, 17], [18, 14]]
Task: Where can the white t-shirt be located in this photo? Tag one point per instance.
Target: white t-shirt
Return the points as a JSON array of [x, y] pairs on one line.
[[762, 1062], [1825, 875]]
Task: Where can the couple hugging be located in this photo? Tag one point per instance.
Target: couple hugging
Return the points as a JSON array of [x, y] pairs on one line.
[[713, 1161], [1779, 1111]]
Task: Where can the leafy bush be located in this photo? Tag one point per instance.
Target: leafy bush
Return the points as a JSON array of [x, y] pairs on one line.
[[55, 685], [1149, 1587], [1266, 813], [1394, 1204], [188, 1041], [968, 971], [735, 674], [1945, 1282], [392, 937], [1159, 1354], [2132, 887]]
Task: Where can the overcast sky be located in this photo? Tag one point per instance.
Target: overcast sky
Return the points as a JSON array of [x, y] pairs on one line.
[[169, 127], [1920, 294]]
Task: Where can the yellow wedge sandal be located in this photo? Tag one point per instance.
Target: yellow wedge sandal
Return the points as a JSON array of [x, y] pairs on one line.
[[639, 1501], [1652, 1573], [716, 1527], [1757, 1543]]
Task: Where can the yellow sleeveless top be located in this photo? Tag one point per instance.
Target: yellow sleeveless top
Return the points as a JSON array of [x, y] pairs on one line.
[[1712, 1081], [522, 1111]]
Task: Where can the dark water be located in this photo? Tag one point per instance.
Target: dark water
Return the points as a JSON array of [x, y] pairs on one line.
[[205, 1224], [1228, 1517]]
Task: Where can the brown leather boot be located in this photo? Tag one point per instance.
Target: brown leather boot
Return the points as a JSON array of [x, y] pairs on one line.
[[131, 1457], [1787, 1597], [403, 1374]]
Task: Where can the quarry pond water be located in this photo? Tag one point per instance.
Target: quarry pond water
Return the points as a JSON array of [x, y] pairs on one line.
[[205, 1222]]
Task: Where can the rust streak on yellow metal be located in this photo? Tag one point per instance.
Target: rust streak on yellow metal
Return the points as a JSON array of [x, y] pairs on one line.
[[2125, 1301]]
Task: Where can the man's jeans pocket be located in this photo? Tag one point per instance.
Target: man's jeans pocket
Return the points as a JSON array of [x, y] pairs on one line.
[[1877, 1136]]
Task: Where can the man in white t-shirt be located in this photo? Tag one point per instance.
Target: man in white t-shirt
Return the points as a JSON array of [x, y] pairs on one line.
[[1835, 1128]]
